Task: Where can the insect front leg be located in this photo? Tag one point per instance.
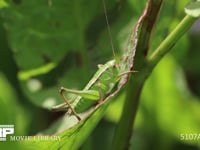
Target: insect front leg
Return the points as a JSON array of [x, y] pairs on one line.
[[62, 90], [126, 72]]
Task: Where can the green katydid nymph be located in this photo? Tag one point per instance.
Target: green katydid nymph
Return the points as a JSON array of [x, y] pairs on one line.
[[107, 81], [102, 83]]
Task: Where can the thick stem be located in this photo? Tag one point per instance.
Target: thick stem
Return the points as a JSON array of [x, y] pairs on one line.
[[125, 126], [124, 130]]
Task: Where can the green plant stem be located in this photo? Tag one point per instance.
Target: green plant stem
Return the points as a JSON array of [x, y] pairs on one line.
[[170, 40], [124, 130], [125, 127]]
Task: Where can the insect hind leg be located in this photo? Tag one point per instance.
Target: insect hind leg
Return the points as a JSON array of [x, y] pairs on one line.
[[71, 109]]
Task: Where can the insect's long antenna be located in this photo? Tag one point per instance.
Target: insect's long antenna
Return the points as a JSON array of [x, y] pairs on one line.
[[109, 30]]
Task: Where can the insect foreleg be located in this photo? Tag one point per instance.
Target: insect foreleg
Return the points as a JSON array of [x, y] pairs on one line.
[[125, 73]]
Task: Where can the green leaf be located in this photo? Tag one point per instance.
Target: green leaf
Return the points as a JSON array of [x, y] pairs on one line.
[[71, 138], [193, 9], [3, 4], [48, 30], [168, 103], [10, 107], [7, 101]]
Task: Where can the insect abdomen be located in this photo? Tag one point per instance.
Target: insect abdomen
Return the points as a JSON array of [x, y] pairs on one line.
[[104, 85]]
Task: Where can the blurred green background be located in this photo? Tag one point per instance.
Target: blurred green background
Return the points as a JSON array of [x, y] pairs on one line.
[[51, 43]]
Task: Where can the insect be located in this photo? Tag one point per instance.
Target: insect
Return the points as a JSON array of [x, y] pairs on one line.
[[102, 83], [107, 81]]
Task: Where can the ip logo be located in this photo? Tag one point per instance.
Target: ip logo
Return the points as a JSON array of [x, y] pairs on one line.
[[5, 130]]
